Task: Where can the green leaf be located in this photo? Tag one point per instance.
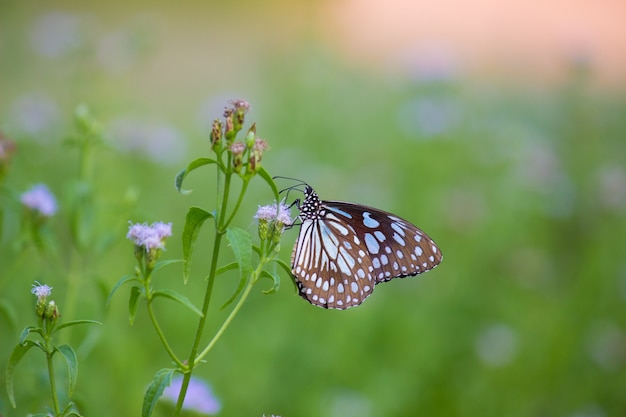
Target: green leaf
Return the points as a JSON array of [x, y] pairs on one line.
[[135, 292], [72, 365], [284, 266], [268, 179], [225, 268], [26, 332], [122, 281], [162, 379], [195, 218], [242, 283], [241, 244], [179, 298], [287, 269], [75, 322], [18, 352], [275, 279], [163, 264], [70, 410], [178, 181]]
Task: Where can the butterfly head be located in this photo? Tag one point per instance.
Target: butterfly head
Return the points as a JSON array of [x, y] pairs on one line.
[[310, 207]]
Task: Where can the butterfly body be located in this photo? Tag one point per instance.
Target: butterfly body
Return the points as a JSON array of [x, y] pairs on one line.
[[343, 250]]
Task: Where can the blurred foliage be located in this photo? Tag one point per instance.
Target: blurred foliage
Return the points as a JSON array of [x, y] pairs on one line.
[[523, 187]]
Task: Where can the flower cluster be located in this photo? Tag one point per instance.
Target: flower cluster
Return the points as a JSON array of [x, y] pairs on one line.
[[149, 240], [40, 200], [45, 309], [246, 153], [149, 237], [272, 220]]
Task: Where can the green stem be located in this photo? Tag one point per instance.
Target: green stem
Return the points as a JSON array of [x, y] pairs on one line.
[[157, 327], [224, 326], [244, 187], [207, 295], [53, 388]]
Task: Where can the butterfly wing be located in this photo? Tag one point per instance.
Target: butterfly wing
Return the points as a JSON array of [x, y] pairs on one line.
[[346, 250]]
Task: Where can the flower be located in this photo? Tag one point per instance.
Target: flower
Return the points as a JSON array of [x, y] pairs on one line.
[[272, 221], [40, 199], [281, 214], [149, 237], [237, 148], [200, 396], [41, 291], [260, 145]]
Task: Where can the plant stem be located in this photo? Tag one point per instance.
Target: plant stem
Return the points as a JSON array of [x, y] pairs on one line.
[[166, 345], [219, 232], [224, 326], [53, 388]]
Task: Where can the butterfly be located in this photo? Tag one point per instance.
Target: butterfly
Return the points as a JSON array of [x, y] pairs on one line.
[[343, 250]]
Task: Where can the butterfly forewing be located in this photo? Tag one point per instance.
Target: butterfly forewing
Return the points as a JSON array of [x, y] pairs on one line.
[[343, 250]]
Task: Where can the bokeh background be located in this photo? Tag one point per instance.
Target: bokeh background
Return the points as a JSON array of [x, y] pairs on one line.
[[497, 127]]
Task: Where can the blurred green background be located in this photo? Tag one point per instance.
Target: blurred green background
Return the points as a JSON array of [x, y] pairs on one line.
[[516, 170]]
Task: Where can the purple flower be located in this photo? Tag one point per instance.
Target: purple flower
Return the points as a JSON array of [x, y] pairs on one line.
[[150, 237], [282, 214], [41, 291], [40, 199], [200, 396]]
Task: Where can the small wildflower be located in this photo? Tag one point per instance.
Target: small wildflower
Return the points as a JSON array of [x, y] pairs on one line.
[[40, 199], [41, 291], [149, 237], [260, 145], [240, 105], [200, 396], [237, 149], [272, 220]]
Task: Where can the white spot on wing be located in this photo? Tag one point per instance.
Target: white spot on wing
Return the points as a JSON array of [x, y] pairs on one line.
[[371, 243], [368, 221]]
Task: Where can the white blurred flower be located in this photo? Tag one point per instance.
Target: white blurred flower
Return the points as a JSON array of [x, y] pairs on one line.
[[39, 198], [496, 345], [56, 34], [160, 142], [35, 114], [431, 62], [606, 344], [428, 117], [200, 396], [347, 403], [611, 187]]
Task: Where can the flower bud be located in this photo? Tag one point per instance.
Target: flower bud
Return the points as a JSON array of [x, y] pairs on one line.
[[216, 134], [240, 108], [237, 149], [251, 136], [229, 130], [52, 311]]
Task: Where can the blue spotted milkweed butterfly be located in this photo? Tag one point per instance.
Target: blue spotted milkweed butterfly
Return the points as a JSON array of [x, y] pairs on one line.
[[343, 250]]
